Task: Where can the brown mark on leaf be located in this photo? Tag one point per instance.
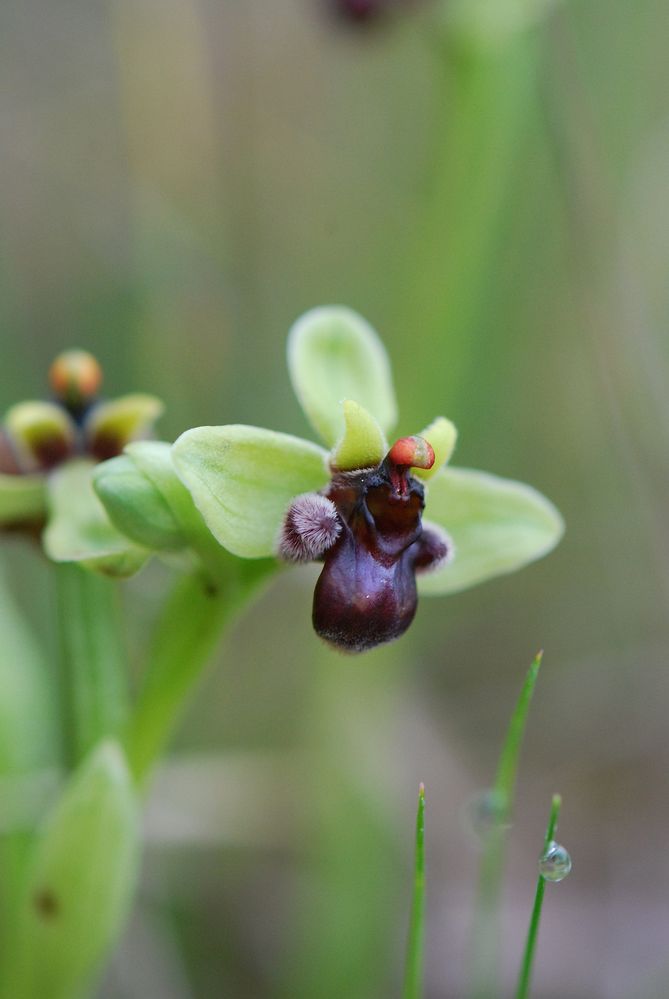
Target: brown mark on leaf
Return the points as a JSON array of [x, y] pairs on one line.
[[46, 903]]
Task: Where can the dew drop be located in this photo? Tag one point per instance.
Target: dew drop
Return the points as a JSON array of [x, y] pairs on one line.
[[484, 813], [554, 863]]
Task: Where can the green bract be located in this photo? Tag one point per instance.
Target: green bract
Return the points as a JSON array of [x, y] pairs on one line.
[[243, 479], [79, 883]]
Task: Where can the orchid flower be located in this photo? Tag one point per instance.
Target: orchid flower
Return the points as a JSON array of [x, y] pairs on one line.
[[47, 452], [358, 505]]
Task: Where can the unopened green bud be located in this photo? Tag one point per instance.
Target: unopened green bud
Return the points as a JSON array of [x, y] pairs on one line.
[[80, 881], [136, 506], [42, 435]]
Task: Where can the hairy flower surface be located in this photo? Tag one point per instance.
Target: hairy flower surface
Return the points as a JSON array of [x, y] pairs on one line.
[[358, 508]]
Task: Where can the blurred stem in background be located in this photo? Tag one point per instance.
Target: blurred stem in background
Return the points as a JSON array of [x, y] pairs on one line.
[[487, 88], [413, 974]]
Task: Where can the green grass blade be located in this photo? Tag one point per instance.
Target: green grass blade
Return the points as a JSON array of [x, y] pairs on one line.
[[485, 933], [523, 990], [413, 975], [505, 782]]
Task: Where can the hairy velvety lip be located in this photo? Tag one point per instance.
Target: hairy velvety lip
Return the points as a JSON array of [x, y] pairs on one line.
[[367, 528]]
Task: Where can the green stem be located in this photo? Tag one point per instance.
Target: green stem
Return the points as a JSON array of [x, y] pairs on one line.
[[485, 942], [523, 990], [485, 98], [93, 657], [191, 625], [413, 976]]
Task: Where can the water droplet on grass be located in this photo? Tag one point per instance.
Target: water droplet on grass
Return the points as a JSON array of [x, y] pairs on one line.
[[555, 862], [483, 813]]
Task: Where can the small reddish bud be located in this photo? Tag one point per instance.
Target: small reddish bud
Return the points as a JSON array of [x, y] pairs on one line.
[[411, 452], [75, 377]]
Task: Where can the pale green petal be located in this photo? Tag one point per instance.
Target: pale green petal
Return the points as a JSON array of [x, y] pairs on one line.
[[80, 882], [497, 525], [112, 425], [442, 436], [363, 444], [334, 354], [79, 529], [22, 498], [243, 479]]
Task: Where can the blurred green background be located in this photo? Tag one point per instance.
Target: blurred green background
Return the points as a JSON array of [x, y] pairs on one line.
[[488, 183]]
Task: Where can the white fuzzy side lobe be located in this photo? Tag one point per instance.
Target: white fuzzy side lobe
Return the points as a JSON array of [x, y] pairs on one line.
[[310, 527]]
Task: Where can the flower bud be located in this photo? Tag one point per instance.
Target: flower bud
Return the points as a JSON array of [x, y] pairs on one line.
[[135, 506], [75, 377]]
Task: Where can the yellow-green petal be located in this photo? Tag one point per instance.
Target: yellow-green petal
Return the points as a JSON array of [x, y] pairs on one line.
[[497, 525], [243, 479], [112, 425], [334, 354], [441, 435], [363, 443], [41, 433], [79, 529]]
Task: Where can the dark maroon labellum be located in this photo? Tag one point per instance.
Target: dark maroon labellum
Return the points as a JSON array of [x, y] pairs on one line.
[[366, 593]]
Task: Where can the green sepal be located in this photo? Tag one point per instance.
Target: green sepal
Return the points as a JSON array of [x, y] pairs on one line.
[[79, 529], [243, 479], [135, 506], [42, 434], [22, 499], [497, 525], [111, 425], [441, 435], [363, 444], [79, 883], [334, 354]]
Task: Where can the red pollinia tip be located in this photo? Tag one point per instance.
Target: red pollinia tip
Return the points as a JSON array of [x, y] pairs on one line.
[[374, 544]]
